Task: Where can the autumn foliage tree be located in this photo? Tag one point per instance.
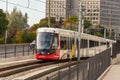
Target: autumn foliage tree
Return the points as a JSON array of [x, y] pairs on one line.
[[16, 24]]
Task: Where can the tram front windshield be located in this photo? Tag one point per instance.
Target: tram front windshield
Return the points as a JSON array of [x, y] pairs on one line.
[[46, 42]]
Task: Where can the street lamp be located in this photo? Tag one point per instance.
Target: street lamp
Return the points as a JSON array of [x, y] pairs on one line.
[[49, 14]]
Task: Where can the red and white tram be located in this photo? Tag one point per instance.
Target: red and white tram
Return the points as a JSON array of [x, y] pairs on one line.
[[57, 44]]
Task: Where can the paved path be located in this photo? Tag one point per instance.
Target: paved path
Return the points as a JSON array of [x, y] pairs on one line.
[[113, 73]]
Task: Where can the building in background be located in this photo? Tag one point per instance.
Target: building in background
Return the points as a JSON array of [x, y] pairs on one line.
[[105, 13], [110, 14], [59, 8]]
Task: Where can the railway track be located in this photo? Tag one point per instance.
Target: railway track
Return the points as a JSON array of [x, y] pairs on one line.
[[14, 71]]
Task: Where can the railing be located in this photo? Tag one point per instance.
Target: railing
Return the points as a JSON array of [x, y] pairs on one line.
[[14, 50], [116, 49], [89, 69]]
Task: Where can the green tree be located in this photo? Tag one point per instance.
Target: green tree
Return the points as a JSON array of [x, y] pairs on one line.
[[73, 21], [43, 22], [28, 36], [34, 27], [87, 25], [96, 30], [3, 23]]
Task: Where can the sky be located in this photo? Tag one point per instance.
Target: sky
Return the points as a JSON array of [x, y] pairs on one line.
[[35, 9]]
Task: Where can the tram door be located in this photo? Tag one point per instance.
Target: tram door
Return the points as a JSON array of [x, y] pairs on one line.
[[63, 47], [72, 46]]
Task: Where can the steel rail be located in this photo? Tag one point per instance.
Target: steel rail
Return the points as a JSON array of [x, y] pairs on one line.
[[36, 76], [14, 69]]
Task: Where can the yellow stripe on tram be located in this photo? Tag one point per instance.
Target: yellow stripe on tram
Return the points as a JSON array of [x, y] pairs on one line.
[[72, 51]]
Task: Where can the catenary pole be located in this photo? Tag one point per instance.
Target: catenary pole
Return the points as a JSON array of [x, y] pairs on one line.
[[110, 33], [79, 40]]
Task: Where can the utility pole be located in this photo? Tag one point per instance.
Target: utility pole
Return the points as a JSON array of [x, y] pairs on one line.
[[110, 33], [49, 14], [104, 32], [82, 17], [82, 24], [6, 16], [6, 6], [79, 30], [79, 40]]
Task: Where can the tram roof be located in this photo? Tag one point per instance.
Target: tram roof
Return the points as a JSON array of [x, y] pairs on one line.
[[71, 33], [57, 30]]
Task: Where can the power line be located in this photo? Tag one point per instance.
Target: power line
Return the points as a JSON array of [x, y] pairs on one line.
[[28, 3], [41, 1], [23, 6]]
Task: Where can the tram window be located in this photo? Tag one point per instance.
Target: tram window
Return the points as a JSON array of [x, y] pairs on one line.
[[66, 42], [71, 42], [91, 43], [97, 43], [55, 43], [63, 44], [83, 43], [77, 43]]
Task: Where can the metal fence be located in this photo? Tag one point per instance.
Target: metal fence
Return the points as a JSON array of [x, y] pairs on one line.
[[14, 50], [116, 49], [89, 69]]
